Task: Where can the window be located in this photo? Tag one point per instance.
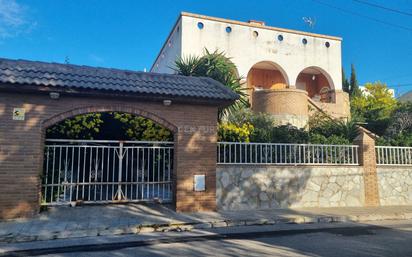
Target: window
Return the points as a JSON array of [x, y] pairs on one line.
[[255, 33], [327, 44], [280, 37], [228, 29], [200, 25], [304, 41]]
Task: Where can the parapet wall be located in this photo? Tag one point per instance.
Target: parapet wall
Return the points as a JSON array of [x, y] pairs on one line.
[[291, 106], [287, 106]]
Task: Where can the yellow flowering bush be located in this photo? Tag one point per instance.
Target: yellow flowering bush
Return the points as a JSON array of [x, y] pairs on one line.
[[230, 132]]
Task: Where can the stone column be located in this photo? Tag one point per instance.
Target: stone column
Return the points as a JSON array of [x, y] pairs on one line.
[[367, 159]]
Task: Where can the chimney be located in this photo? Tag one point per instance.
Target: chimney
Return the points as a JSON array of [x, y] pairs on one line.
[[254, 22]]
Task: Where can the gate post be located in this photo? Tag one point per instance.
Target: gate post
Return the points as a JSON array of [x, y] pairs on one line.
[[367, 159], [195, 154]]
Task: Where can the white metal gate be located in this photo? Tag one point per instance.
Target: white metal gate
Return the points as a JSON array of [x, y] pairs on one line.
[[103, 171]]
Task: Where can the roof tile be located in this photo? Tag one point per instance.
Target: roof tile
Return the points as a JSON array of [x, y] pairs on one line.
[[106, 79]]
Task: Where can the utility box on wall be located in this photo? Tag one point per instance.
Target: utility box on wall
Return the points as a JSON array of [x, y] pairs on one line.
[[199, 183]]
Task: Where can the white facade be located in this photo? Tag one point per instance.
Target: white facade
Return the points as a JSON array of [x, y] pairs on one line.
[[250, 43]]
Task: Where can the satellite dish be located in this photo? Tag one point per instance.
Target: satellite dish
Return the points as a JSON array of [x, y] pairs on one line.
[[310, 21]]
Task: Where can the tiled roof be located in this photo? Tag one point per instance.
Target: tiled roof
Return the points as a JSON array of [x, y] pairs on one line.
[[22, 72]]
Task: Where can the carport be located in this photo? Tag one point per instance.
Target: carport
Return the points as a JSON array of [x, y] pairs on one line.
[[36, 95]]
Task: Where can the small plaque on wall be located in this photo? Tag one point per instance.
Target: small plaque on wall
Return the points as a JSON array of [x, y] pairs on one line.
[[19, 113], [199, 183]]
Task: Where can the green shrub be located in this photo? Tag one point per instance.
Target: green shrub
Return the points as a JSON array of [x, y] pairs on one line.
[[246, 126], [320, 124], [262, 131], [402, 139], [262, 124], [140, 128], [289, 134], [109, 125], [230, 132], [331, 140], [85, 126]]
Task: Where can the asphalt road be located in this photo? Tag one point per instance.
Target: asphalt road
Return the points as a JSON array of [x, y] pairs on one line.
[[379, 239]]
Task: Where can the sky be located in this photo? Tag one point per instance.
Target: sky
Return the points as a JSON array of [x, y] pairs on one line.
[[128, 34]]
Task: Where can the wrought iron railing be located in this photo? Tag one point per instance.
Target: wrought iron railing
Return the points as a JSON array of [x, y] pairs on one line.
[[286, 154], [393, 155], [101, 171]]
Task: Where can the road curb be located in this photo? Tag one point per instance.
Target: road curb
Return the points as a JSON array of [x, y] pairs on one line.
[[188, 226]]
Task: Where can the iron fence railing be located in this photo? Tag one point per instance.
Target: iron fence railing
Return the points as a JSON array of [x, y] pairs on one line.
[[393, 155], [101, 171], [286, 154]]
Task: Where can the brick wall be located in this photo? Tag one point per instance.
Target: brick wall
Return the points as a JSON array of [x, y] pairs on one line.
[[21, 145], [367, 158]]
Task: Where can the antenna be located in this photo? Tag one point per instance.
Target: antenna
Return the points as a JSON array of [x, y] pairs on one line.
[[311, 22]]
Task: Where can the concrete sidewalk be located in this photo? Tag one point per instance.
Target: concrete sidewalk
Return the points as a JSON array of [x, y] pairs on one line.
[[106, 220]]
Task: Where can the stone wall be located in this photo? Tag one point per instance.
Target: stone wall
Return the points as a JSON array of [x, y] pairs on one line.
[[259, 187], [395, 185]]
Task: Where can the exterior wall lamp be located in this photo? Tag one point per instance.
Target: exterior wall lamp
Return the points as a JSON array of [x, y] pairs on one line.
[[54, 95], [167, 102]]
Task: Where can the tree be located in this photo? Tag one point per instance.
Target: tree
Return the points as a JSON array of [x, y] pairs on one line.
[[399, 131], [401, 120], [139, 128], [354, 86], [218, 67], [109, 125], [84, 126], [345, 82], [374, 106]]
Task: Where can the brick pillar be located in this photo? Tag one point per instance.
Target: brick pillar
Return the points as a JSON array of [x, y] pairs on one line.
[[367, 159], [195, 154]]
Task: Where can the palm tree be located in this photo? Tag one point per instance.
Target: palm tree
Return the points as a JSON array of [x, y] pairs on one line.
[[218, 67]]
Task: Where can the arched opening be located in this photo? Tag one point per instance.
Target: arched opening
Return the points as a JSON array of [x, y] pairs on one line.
[[266, 75], [317, 83], [107, 156]]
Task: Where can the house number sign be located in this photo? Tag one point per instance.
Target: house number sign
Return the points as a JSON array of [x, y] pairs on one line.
[[19, 113]]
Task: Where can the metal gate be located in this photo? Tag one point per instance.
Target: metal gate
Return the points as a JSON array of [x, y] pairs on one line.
[[103, 171]]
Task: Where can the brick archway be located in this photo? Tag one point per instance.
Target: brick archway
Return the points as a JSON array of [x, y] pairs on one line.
[[130, 147], [23, 155], [28, 105]]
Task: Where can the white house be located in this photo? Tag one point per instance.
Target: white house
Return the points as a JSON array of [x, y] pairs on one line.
[[287, 71]]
